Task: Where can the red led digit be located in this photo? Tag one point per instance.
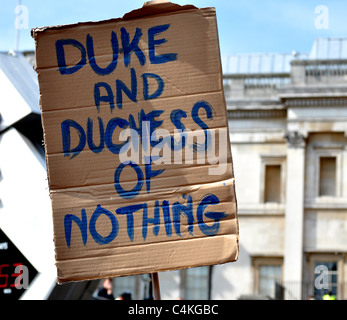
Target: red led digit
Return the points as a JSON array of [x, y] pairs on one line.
[[5, 276]]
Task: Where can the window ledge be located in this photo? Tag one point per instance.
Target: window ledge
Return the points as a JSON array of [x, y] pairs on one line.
[[326, 203], [261, 209]]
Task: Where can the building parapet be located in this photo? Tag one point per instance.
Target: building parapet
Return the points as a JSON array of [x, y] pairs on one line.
[[254, 85], [318, 72], [306, 73]]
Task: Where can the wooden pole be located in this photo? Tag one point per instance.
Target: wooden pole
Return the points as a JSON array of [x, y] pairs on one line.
[[156, 288]]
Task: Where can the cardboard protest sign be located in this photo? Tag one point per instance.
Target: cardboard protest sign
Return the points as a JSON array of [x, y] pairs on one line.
[[137, 146]]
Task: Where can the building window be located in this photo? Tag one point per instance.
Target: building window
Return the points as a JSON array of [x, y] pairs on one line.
[[328, 171], [272, 179], [328, 271], [272, 192], [328, 281], [268, 277], [327, 176], [195, 283]]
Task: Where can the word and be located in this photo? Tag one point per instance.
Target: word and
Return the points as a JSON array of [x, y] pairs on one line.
[[171, 216]]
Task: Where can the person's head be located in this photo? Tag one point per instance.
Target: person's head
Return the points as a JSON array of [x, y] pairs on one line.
[[107, 283]]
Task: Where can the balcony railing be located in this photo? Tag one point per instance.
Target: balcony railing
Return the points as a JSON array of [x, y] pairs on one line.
[[264, 85], [303, 73], [319, 72]]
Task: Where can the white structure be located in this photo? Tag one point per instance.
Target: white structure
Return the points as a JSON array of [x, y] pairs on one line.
[[25, 205], [25, 210]]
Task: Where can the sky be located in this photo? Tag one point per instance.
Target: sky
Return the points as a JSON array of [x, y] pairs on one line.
[[244, 26]]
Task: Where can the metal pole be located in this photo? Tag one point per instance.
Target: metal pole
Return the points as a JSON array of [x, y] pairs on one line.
[[156, 288]]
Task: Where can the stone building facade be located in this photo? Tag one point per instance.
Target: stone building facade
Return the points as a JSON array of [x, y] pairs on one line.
[[288, 132]]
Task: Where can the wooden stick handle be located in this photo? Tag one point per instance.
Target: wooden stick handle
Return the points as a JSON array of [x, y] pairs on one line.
[[156, 287]]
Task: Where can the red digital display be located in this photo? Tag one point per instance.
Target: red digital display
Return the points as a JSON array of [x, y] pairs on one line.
[[8, 275], [16, 271]]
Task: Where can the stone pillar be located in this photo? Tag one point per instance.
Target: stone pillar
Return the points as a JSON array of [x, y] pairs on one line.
[[298, 72], [237, 88], [294, 216]]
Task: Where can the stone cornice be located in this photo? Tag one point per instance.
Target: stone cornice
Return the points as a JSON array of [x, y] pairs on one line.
[[257, 114], [307, 62], [316, 91], [315, 102]]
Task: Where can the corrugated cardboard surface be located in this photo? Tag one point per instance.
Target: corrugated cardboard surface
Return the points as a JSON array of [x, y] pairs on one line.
[[174, 206]]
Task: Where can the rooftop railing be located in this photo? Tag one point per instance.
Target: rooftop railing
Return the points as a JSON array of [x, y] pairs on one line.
[[303, 73]]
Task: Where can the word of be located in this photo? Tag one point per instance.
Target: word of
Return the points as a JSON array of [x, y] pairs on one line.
[[171, 216]]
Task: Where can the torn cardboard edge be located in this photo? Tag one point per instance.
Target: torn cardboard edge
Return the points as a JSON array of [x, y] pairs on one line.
[[175, 253], [150, 8]]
